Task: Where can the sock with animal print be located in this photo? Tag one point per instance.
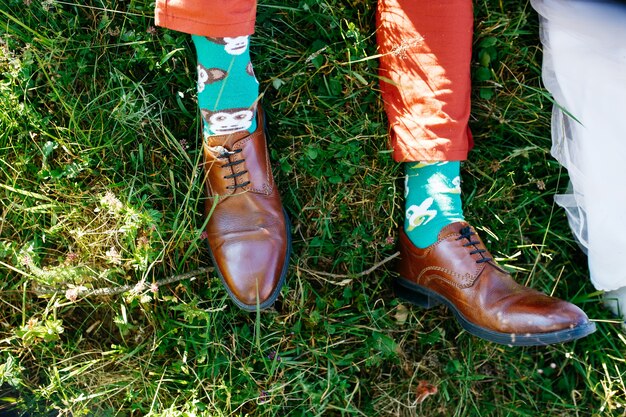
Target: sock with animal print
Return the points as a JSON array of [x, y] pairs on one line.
[[432, 199], [227, 88]]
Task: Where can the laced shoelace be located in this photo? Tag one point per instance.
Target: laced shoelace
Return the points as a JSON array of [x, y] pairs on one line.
[[226, 154], [466, 233]]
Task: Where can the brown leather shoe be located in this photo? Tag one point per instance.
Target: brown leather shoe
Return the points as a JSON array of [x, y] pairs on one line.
[[248, 229], [459, 272]]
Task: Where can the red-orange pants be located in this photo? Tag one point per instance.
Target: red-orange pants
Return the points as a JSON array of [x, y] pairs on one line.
[[425, 49]]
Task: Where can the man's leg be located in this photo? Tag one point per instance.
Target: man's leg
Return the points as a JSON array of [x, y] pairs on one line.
[[425, 81], [427, 99], [248, 230]]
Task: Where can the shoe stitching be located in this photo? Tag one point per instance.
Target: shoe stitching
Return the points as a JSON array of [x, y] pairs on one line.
[[466, 280], [441, 239], [268, 186]]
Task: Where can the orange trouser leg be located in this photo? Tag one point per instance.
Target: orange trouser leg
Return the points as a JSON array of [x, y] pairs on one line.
[[426, 47], [215, 18]]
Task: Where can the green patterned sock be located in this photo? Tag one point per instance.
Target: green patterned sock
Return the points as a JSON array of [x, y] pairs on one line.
[[432, 199], [227, 88]]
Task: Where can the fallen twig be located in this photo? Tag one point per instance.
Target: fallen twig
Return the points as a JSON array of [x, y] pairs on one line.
[[83, 292], [348, 277], [75, 292]]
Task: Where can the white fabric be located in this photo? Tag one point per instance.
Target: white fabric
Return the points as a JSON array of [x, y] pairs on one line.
[[584, 67], [616, 301]]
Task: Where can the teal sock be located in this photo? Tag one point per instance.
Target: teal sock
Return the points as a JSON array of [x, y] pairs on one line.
[[227, 88], [432, 199]]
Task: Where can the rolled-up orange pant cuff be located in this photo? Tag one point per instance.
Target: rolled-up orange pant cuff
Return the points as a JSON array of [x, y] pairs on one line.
[[426, 49], [215, 18]]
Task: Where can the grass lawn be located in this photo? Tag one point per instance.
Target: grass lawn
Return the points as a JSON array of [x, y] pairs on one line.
[[101, 199]]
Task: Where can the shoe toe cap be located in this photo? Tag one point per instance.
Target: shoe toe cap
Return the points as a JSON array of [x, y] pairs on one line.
[[253, 269], [542, 314]]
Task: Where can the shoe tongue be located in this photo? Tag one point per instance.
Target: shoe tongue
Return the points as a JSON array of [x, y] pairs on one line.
[[227, 141]]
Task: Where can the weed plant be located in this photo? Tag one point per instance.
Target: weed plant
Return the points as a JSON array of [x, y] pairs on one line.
[[101, 187]]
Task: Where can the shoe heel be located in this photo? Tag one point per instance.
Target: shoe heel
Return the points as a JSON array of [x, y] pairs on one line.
[[413, 295]]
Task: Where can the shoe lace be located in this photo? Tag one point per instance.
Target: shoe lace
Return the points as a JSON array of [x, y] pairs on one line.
[[226, 154], [466, 233]]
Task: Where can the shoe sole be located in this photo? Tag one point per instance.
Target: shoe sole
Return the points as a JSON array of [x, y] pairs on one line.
[[426, 298], [281, 281]]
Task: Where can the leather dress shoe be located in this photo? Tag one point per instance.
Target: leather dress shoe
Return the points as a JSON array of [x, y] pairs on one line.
[[459, 272], [248, 230]]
